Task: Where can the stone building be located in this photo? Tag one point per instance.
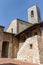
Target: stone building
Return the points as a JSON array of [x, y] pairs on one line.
[[23, 40]]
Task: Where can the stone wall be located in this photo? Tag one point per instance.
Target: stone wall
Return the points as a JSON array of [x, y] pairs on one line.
[[12, 25], [8, 38], [13, 45], [40, 43], [35, 18], [22, 25], [28, 54], [1, 39], [17, 26]]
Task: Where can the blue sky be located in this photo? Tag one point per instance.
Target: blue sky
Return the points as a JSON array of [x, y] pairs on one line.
[[12, 9]]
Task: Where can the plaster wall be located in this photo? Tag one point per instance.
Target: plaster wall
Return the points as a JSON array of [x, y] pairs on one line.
[[40, 43]]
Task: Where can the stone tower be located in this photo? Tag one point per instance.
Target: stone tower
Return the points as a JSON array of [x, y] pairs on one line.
[[34, 14]]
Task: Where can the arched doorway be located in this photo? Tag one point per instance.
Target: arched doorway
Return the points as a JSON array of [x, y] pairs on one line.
[[5, 46]]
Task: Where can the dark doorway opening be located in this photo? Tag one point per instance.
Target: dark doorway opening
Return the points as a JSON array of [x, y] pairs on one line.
[[5, 49]]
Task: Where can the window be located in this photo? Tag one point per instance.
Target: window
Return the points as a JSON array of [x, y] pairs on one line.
[[11, 30], [31, 46], [32, 13], [35, 33]]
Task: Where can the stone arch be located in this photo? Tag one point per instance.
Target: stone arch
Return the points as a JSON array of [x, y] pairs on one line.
[[32, 13]]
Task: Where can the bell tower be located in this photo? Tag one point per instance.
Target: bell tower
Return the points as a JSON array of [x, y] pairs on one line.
[[34, 15]]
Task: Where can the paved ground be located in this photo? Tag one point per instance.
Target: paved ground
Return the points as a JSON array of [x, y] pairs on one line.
[[9, 61]]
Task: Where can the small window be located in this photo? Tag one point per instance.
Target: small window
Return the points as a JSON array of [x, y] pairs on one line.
[[35, 33], [31, 46], [32, 13], [11, 30]]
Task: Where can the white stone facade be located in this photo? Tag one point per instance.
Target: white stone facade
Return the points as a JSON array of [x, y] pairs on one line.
[[13, 25], [27, 54], [17, 26]]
